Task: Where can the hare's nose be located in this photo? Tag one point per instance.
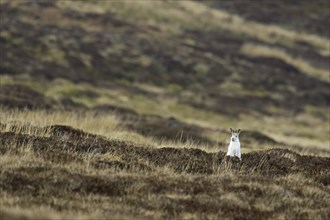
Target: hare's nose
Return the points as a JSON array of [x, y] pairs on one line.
[[233, 139]]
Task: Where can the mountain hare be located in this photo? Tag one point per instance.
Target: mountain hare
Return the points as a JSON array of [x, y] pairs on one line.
[[234, 148]]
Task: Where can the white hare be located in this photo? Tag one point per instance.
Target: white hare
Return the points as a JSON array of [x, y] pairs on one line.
[[234, 148]]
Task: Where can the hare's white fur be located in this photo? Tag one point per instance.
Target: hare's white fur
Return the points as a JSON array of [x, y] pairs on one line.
[[234, 148]]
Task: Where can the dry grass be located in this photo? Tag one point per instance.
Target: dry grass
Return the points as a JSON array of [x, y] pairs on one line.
[[105, 125]]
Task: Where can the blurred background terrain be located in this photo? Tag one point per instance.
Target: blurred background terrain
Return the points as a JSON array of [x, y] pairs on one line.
[[214, 64]]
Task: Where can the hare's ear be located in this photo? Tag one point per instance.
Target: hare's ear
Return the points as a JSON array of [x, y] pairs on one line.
[[239, 131], [231, 130]]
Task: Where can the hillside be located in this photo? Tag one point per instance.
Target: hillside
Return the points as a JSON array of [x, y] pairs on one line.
[[129, 104], [205, 66]]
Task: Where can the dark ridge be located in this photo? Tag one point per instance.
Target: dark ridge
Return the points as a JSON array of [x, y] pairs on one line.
[[168, 129], [258, 137], [19, 96]]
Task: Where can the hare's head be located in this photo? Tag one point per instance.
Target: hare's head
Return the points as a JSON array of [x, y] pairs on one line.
[[235, 134]]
